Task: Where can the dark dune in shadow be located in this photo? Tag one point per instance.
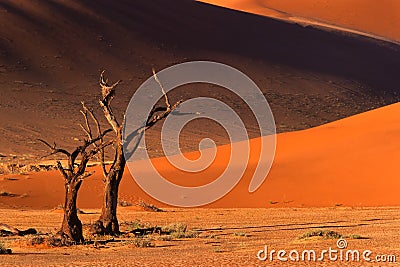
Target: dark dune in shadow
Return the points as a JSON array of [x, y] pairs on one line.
[[196, 26]]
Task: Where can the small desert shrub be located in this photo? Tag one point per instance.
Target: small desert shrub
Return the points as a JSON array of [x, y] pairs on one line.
[[4, 250], [178, 230], [59, 242], [214, 236], [327, 234], [141, 229], [149, 207], [37, 240], [165, 238], [240, 234], [6, 194], [130, 226], [141, 242], [59, 207], [174, 227], [10, 179], [124, 203], [356, 237]]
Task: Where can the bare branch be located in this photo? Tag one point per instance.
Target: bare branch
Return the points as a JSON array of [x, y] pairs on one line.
[[88, 133], [86, 156], [88, 129], [82, 148], [162, 89], [102, 152], [54, 149], [161, 116], [153, 111], [94, 118], [152, 119], [85, 175]]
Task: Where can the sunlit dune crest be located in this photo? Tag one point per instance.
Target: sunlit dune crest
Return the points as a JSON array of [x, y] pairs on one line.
[[371, 17]]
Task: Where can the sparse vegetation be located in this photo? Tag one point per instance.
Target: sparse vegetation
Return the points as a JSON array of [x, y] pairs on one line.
[[240, 234], [56, 241], [166, 233], [124, 203], [143, 242], [4, 250], [134, 225], [23, 169], [178, 230], [37, 240], [327, 234], [10, 179], [149, 207], [6, 194], [353, 236]]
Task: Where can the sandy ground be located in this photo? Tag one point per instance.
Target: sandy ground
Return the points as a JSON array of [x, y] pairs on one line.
[[228, 237]]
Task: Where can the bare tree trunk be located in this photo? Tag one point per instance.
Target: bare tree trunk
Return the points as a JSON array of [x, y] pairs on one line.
[[109, 210], [71, 227], [108, 222], [113, 178]]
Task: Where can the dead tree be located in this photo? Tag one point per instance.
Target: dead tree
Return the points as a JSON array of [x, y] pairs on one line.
[[108, 222], [74, 173]]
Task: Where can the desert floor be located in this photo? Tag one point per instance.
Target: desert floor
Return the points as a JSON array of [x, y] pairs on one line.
[[227, 237]]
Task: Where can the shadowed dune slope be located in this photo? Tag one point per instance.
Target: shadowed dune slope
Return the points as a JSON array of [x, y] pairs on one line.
[[351, 162], [51, 53]]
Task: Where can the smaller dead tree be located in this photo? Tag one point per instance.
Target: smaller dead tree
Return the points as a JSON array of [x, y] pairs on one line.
[[74, 172]]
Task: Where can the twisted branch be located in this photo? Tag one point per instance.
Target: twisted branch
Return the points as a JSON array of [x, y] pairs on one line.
[[152, 119]]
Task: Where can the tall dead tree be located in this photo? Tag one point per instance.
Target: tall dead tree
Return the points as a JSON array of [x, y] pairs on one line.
[[74, 172], [108, 221]]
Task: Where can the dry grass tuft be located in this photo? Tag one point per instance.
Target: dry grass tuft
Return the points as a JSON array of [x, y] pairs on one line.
[[327, 234]]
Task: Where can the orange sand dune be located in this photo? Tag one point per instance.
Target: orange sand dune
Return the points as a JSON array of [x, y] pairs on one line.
[[351, 162], [381, 18], [52, 52]]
